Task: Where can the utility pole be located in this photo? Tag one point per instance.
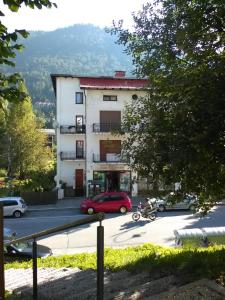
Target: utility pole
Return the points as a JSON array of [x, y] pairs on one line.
[[9, 171], [2, 277]]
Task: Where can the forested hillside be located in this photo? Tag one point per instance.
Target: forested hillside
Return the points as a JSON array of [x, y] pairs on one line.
[[79, 49]]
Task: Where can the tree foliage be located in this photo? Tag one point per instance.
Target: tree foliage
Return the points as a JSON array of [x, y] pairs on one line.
[[177, 134], [24, 144], [9, 84]]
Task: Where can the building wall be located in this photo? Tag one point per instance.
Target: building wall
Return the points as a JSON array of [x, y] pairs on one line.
[[67, 109]]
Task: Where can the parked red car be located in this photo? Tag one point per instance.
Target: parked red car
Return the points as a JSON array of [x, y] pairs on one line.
[[107, 202]]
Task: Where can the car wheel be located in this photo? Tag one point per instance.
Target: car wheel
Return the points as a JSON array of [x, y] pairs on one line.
[[90, 211], [123, 209], [17, 214], [161, 207]]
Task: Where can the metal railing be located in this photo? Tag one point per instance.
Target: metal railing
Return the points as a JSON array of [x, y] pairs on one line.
[[71, 155], [72, 129], [109, 158], [100, 251], [106, 127]]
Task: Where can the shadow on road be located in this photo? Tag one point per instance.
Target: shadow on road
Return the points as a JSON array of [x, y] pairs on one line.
[[215, 218]]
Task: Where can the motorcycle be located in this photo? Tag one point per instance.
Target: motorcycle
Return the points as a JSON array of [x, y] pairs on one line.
[[142, 212]]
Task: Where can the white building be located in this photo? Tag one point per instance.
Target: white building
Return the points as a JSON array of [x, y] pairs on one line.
[[88, 109]]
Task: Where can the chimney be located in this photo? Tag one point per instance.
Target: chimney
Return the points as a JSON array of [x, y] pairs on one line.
[[120, 74]]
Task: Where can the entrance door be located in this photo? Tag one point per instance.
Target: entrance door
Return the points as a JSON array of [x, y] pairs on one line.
[[112, 181], [79, 182]]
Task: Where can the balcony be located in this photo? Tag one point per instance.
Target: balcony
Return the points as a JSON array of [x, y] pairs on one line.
[[71, 155], [109, 158], [106, 127], [72, 129]]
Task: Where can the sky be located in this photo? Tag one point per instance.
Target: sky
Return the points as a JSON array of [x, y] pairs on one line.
[[70, 12]]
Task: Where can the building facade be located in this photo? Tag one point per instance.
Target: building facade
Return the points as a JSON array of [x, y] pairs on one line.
[[88, 112]]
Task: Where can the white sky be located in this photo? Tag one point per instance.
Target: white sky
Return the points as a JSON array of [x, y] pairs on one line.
[[70, 12]]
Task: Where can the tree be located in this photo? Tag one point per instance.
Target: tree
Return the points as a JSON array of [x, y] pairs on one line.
[[26, 143], [177, 134], [9, 84]]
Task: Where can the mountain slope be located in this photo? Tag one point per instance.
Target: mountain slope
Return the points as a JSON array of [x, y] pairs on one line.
[[80, 49]]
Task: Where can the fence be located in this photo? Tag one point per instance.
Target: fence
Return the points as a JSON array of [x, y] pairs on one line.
[[39, 198]]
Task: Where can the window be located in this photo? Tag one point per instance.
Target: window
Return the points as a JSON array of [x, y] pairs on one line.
[[109, 98], [79, 121], [116, 198], [79, 98], [79, 149], [10, 203], [80, 127]]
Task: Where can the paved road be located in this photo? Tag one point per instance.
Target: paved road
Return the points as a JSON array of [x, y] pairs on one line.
[[120, 230]]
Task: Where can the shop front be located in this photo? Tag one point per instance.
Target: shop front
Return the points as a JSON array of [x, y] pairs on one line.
[[110, 181]]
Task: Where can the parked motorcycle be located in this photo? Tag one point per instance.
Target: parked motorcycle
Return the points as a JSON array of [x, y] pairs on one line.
[[142, 212]]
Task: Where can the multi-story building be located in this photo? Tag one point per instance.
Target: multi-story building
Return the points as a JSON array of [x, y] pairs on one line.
[[89, 110]]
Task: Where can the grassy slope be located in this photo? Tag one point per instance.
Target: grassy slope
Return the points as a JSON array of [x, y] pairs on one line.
[[197, 263]]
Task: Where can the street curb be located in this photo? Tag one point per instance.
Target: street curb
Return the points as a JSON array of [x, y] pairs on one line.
[[57, 208], [51, 208]]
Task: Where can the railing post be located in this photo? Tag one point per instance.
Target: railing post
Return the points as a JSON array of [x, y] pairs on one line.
[[35, 269], [100, 262], [2, 277]]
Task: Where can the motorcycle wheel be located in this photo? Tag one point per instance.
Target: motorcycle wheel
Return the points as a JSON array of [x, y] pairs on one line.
[[136, 216], [152, 216]]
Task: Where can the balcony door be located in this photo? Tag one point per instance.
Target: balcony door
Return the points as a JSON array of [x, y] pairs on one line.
[[79, 149], [109, 120], [79, 121], [109, 149]]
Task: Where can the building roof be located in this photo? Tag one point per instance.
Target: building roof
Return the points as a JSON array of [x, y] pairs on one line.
[[105, 82], [113, 83]]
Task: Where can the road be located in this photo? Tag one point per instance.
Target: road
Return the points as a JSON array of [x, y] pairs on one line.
[[120, 230]]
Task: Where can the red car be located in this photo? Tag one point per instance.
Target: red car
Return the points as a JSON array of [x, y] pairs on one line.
[[107, 202]]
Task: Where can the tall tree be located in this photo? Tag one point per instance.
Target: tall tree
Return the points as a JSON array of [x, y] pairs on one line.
[[8, 46], [26, 143], [178, 132]]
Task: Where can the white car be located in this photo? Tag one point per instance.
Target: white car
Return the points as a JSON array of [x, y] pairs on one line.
[[13, 206], [189, 202]]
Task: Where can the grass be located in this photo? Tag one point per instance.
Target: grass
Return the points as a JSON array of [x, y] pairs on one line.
[[201, 262], [185, 263]]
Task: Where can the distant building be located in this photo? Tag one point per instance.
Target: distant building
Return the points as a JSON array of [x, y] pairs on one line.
[[88, 110], [50, 136]]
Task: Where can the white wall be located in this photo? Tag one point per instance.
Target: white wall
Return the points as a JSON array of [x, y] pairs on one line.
[[67, 109]]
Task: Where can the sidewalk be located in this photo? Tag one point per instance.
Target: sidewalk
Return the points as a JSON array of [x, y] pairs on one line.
[[71, 203]]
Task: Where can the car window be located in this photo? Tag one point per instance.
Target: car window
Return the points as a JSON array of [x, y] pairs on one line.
[[97, 197], [116, 198], [101, 198], [9, 203], [105, 199]]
